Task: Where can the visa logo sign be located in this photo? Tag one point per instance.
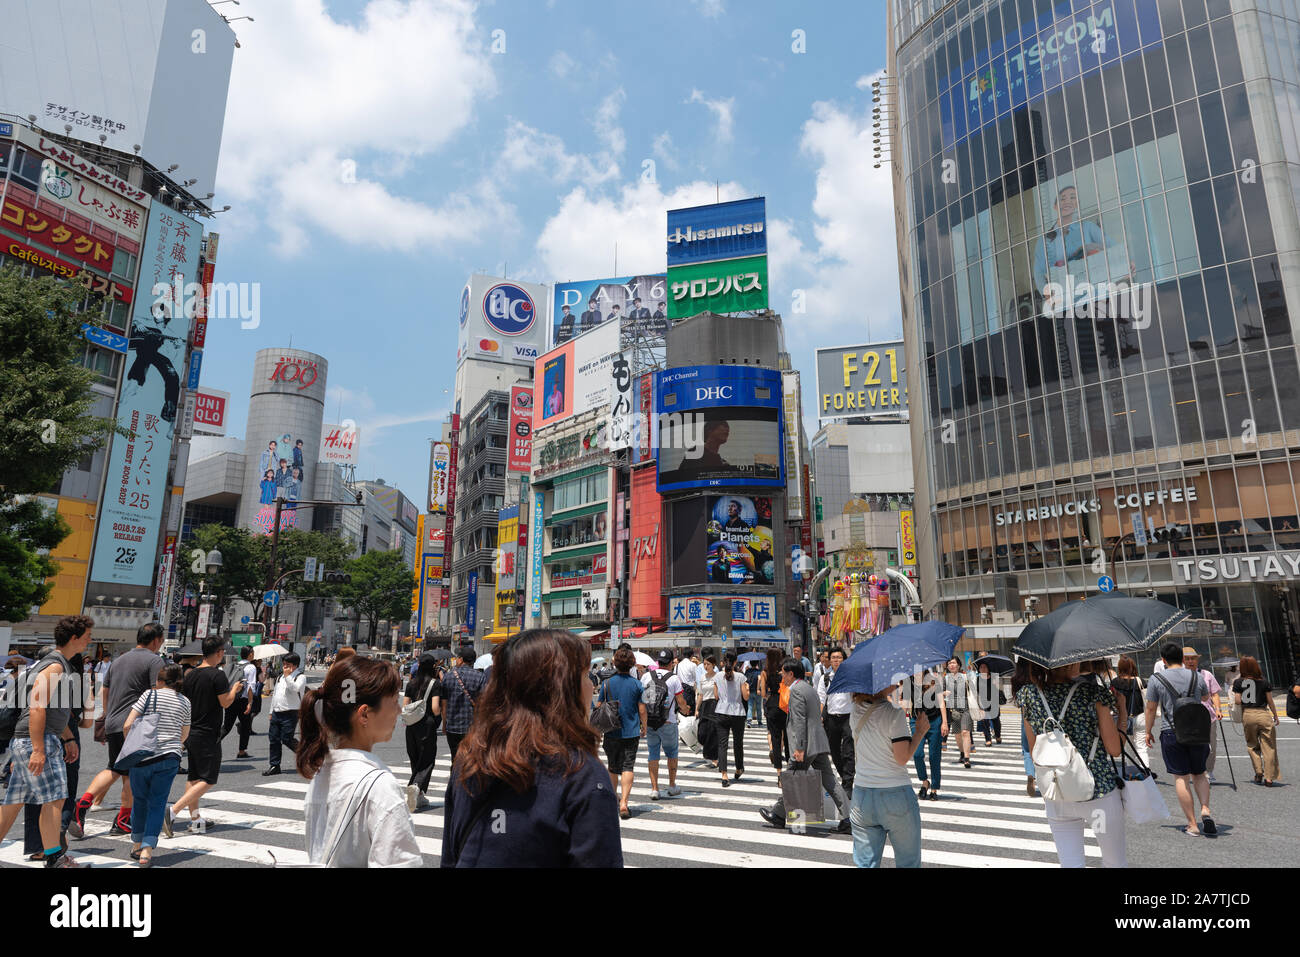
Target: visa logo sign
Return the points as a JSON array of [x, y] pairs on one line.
[[525, 352]]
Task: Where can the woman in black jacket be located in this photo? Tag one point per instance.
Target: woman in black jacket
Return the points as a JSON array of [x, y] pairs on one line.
[[527, 788]]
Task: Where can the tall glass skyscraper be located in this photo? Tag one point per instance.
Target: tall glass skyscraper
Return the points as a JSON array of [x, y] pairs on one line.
[[1100, 255]]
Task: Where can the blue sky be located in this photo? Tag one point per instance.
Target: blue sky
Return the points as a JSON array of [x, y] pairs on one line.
[[377, 153]]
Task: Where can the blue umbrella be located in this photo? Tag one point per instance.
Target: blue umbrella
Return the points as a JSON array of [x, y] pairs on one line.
[[889, 658], [752, 656]]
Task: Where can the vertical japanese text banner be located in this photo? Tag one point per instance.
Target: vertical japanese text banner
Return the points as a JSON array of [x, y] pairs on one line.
[[130, 518]]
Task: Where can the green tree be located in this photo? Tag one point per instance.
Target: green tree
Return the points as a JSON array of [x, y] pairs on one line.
[[380, 588], [244, 556], [27, 529], [45, 427], [45, 395]]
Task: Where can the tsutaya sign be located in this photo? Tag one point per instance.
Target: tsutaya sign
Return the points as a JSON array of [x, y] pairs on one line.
[[1269, 566], [1053, 508]]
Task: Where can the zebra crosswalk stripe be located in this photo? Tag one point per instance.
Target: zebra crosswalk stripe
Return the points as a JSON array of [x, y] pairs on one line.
[[983, 819]]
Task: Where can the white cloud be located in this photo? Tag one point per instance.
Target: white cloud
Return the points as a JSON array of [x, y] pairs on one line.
[[561, 64], [528, 149], [310, 192], [722, 111], [711, 8], [308, 93], [664, 152], [852, 273], [578, 241]]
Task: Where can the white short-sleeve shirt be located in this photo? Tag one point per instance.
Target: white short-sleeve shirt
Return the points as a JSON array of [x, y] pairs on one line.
[[876, 726]]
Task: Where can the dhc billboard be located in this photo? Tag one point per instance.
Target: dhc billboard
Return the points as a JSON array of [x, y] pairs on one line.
[[720, 426]]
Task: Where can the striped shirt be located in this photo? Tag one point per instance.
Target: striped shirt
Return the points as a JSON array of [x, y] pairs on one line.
[[173, 715]]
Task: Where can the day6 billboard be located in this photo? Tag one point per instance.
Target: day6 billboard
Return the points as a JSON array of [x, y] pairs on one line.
[[861, 380]]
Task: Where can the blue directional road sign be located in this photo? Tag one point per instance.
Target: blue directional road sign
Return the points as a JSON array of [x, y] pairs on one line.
[[104, 337], [1106, 583], [271, 599], [244, 620], [196, 363]]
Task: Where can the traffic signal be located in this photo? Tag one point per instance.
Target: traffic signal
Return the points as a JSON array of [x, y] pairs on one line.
[[1170, 533], [338, 578]]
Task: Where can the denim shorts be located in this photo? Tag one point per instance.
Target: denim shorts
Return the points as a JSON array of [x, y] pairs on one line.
[[666, 737]]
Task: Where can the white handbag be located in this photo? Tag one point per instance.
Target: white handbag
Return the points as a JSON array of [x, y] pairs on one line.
[[414, 712], [687, 733], [1063, 775], [1143, 802]]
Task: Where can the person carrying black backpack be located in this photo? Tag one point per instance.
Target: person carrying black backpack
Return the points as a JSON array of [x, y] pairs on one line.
[[1184, 734], [664, 700]]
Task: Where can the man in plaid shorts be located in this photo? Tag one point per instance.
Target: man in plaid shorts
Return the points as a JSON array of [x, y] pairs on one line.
[[42, 739]]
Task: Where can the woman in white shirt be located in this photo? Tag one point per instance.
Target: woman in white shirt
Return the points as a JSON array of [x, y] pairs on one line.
[[884, 804], [356, 812], [733, 696], [151, 779], [706, 680]]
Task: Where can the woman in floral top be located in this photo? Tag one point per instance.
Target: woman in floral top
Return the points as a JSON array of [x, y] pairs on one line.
[[1087, 717]]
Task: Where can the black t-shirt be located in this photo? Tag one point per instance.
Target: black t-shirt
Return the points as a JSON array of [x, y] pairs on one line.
[[202, 686], [1254, 696]]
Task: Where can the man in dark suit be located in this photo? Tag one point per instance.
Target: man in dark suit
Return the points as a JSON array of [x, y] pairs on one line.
[[565, 332], [592, 317], [809, 746]]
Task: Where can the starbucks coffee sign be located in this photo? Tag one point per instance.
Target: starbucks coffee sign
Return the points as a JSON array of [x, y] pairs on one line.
[[1263, 566]]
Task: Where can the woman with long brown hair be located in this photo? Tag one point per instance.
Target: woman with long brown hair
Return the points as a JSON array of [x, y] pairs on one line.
[[356, 812], [769, 691], [1259, 717], [528, 788]]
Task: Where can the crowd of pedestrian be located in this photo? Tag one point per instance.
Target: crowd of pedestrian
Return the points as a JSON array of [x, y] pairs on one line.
[[526, 782]]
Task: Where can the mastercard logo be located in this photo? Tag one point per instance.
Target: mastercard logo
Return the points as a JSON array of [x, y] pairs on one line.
[[489, 345]]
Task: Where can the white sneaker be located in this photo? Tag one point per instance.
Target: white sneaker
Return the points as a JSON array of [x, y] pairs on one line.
[[420, 800], [411, 792], [654, 795], [674, 791], [1211, 776]]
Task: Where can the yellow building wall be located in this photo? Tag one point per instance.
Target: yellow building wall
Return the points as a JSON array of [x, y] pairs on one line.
[[73, 556]]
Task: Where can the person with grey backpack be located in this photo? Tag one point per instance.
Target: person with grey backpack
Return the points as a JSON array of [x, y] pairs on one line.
[[155, 729], [1184, 735]]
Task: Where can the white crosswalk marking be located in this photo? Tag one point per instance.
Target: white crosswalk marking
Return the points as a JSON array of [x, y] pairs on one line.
[[983, 819]]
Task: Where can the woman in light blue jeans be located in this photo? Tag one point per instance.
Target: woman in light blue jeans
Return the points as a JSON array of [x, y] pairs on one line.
[[151, 779], [884, 805]]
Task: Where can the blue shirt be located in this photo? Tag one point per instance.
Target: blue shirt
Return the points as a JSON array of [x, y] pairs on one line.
[[626, 690]]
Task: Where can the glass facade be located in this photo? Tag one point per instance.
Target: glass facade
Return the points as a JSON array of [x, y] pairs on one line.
[[1100, 201]]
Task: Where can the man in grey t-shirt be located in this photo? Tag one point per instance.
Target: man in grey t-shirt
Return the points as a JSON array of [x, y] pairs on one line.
[[42, 741], [132, 675], [1185, 762]]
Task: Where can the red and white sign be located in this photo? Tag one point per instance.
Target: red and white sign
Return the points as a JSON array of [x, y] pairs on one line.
[[205, 616], [296, 370], [201, 317], [520, 456], [451, 493], [210, 411], [64, 238], [436, 540], [339, 444], [645, 550]]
